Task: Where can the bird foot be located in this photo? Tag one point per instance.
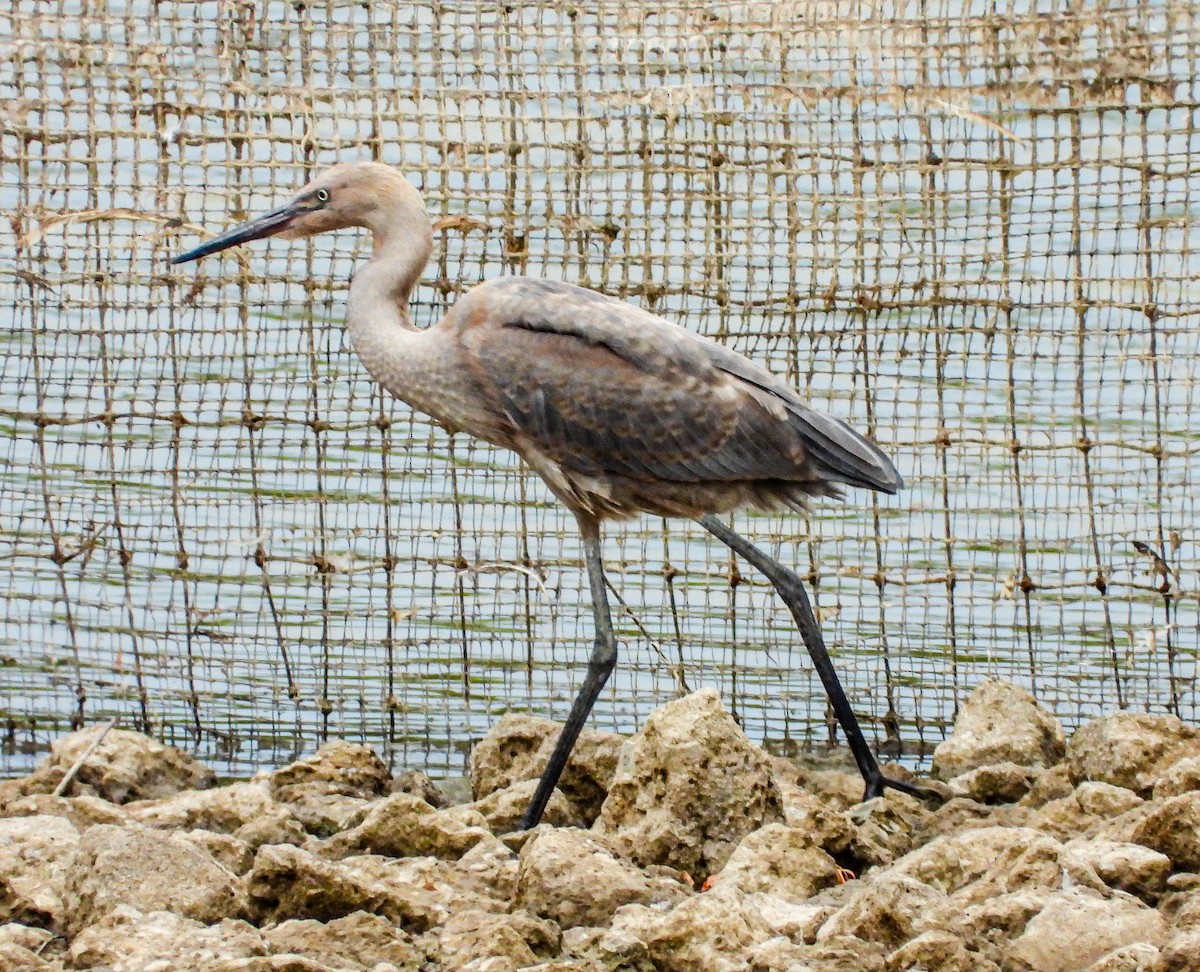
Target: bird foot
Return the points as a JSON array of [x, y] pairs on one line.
[[875, 785]]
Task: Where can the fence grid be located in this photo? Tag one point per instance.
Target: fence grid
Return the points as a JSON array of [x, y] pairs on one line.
[[967, 228]]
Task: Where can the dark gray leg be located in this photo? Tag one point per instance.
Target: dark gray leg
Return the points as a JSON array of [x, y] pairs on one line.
[[791, 591], [600, 666]]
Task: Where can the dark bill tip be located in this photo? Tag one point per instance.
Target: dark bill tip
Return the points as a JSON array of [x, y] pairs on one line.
[[255, 229]]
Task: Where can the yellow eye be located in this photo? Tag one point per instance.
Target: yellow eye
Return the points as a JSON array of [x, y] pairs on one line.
[[323, 195]]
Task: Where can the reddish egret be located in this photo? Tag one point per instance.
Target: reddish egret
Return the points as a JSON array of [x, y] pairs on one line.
[[619, 411]]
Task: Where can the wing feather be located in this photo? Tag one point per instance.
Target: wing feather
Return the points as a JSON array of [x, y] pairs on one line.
[[602, 386]]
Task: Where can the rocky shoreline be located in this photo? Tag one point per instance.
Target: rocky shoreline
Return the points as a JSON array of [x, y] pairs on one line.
[[685, 848]]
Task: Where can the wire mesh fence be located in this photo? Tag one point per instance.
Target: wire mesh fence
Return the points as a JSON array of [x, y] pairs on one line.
[[966, 228]]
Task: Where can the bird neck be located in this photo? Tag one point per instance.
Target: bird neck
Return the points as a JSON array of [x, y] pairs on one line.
[[377, 317]]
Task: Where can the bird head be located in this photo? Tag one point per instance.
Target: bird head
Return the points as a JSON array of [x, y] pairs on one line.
[[366, 194]]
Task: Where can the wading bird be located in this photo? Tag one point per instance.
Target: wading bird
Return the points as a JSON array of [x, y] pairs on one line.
[[618, 410]]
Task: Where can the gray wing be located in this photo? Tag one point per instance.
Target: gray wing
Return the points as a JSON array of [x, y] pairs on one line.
[[604, 387]]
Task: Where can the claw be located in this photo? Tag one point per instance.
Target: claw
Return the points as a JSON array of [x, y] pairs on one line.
[[877, 784]]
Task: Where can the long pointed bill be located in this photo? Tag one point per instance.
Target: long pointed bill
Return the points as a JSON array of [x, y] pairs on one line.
[[267, 225]]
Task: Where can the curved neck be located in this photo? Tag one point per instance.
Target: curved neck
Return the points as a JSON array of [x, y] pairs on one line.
[[380, 290], [377, 318]]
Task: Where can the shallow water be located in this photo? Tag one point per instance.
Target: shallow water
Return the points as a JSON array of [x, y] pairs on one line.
[[805, 193]]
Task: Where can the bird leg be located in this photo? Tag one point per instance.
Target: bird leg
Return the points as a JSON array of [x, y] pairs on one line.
[[791, 590], [600, 666]]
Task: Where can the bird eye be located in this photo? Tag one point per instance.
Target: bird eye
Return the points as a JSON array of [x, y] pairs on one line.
[[323, 195]]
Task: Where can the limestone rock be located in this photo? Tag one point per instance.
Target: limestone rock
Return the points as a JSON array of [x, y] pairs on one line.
[[1138, 957], [404, 825], [26, 936], [841, 954], [518, 748], [125, 940], [146, 870], [1077, 927], [325, 814], [223, 809], [575, 878], [82, 811], [1018, 856], [33, 851], [1130, 749], [1181, 953], [1085, 810], [125, 766], [884, 910], [338, 767], [232, 854], [999, 723], [471, 938], [707, 931], [937, 951], [1173, 828], [995, 783], [490, 870], [781, 860], [358, 941], [779, 952], [420, 785], [989, 922], [418, 893], [16, 958], [1128, 867], [688, 788], [504, 809], [269, 963], [273, 829], [1051, 784], [1182, 777]]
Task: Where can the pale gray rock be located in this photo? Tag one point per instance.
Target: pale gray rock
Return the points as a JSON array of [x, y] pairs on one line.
[[358, 941], [475, 939], [1181, 953], [1077, 927], [714, 930], [1129, 867], [995, 783], [1130, 749], [403, 825], [126, 940], [1172, 827], [504, 809], [147, 870], [575, 878], [938, 951], [999, 723], [885, 910], [338, 767], [519, 746], [1138, 957], [418, 893], [1182, 776], [223, 809], [82, 811], [125, 766], [33, 854], [688, 788], [780, 860]]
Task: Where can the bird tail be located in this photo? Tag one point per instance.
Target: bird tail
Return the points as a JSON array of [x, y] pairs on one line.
[[844, 455]]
